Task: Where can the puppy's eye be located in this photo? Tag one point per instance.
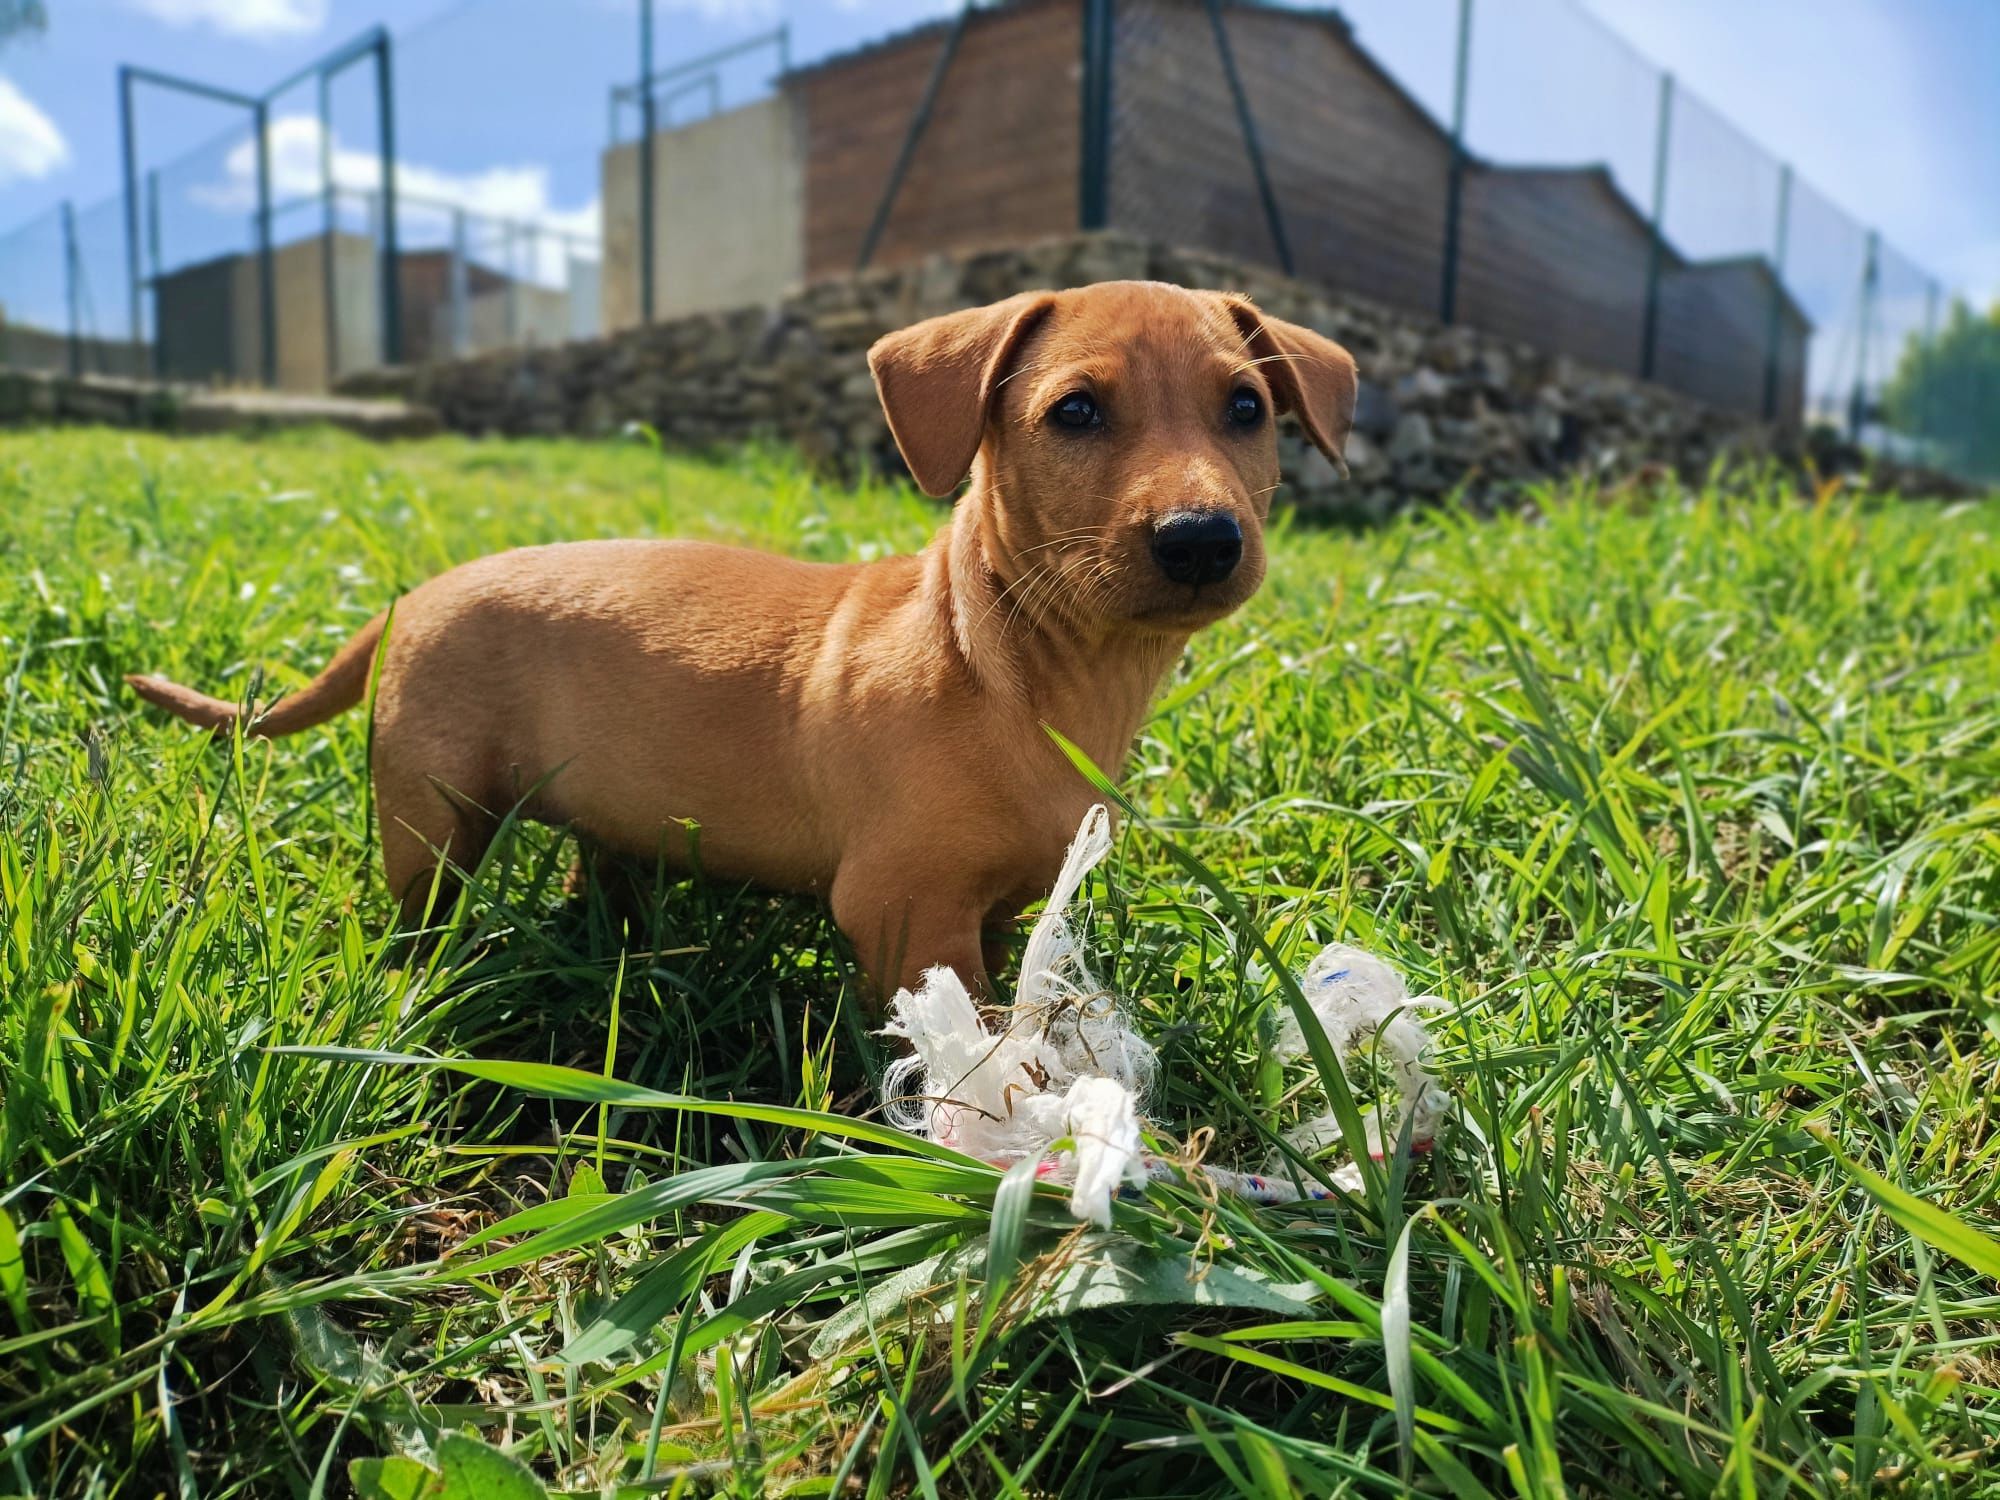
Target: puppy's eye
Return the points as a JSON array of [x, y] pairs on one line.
[[1246, 408], [1076, 410]]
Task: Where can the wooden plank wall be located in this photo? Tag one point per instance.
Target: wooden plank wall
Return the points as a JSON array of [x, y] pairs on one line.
[[1552, 256], [1553, 259], [1359, 177], [997, 164], [1715, 334]]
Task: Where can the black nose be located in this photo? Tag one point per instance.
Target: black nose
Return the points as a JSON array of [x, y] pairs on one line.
[[1198, 546]]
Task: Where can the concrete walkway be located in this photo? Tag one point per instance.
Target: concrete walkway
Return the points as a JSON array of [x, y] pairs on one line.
[[37, 397]]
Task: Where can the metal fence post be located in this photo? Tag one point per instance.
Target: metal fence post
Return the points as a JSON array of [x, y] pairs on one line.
[[532, 270], [70, 289], [1649, 337], [1272, 218], [507, 229], [1775, 331], [646, 128], [392, 276], [329, 227], [129, 147], [1926, 379], [457, 291], [1871, 277], [153, 262], [908, 150], [1094, 167], [1454, 193], [267, 280]]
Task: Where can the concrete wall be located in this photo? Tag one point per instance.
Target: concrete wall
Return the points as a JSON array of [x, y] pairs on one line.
[[304, 358], [729, 203], [23, 346], [521, 313], [210, 315], [196, 320]]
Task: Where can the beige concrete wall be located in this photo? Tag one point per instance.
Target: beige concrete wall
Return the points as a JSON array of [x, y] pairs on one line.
[[729, 195], [300, 268], [211, 315], [26, 347], [523, 315], [357, 275]]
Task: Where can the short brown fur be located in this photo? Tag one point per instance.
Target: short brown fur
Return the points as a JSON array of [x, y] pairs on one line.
[[869, 732]]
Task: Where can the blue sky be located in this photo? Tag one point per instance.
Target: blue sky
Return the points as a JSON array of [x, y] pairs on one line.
[[1886, 107]]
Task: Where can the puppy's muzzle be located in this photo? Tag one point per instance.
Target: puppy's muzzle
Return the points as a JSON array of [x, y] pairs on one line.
[[1198, 547]]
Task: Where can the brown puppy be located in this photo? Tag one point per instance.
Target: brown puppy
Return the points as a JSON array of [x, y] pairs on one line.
[[870, 732]]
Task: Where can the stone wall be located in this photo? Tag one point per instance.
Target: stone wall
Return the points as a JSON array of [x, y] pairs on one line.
[[1441, 408]]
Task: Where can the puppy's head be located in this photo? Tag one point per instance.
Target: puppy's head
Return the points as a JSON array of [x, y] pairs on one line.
[[1124, 434]]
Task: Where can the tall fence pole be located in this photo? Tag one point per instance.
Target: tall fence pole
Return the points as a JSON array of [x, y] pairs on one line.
[[70, 289], [1649, 336], [458, 290], [1454, 192], [1926, 377], [912, 136], [1248, 124], [647, 125], [1094, 165], [392, 270], [1774, 332], [329, 226], [1871, 278], [129, 147], [154, 269], [507, 259], [267, 271]]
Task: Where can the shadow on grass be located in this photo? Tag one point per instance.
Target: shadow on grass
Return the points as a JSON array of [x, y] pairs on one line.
[[674, 982]]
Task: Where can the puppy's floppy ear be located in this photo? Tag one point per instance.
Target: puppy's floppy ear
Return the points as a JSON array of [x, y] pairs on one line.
[[1311, 376], [937, 378]]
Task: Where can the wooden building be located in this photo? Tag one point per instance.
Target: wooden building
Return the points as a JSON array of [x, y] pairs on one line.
[[1715, 336], [1551, 255]]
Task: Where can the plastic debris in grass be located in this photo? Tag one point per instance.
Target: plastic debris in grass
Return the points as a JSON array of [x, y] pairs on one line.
[[1064, 1063]]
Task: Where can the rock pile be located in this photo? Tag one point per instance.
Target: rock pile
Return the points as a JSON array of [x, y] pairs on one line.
[[1442, 409]]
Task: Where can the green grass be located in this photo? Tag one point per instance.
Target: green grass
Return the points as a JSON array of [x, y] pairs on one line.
[[1688, 809]]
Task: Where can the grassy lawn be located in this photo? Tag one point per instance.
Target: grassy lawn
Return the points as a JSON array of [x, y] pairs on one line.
[[1688, 809]]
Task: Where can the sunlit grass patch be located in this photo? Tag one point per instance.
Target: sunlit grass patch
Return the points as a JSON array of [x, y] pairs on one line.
[[1689, 812]]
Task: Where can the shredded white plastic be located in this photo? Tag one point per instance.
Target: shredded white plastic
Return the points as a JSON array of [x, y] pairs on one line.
[[1064, 1063]]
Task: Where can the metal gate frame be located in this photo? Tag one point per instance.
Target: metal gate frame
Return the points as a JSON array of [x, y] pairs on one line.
[[374, 44]]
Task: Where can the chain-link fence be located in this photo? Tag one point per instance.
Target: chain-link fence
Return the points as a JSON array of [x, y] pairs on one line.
[[510, 173]]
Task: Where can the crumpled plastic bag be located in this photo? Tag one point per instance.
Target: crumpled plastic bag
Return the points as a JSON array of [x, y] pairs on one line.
[[1064, 1063]]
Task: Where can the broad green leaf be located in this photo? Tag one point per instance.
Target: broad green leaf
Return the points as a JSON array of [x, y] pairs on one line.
[[86, 1274], [14, 1277], [393, 1478], [469, 1470]]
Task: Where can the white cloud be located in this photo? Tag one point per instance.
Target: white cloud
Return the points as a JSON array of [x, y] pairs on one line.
[[519, 195], [30, 144], [258, 20]]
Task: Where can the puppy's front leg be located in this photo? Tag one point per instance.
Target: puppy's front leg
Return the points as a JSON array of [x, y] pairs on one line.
[[900, 926]]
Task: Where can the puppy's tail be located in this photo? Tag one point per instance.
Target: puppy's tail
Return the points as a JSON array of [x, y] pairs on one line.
[[337, 688]]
